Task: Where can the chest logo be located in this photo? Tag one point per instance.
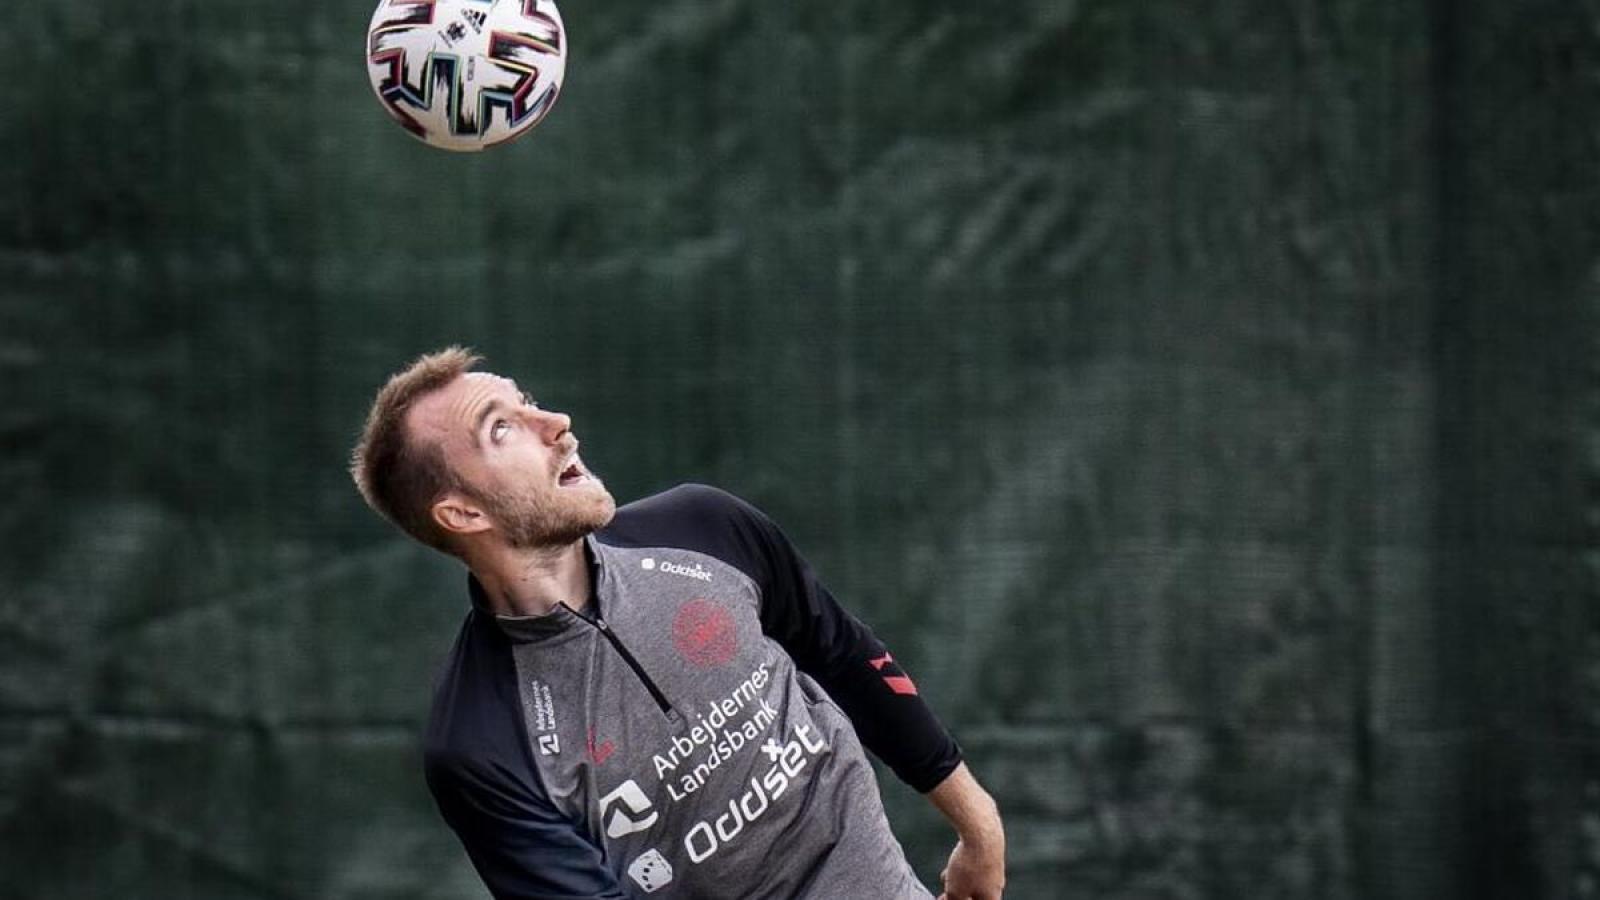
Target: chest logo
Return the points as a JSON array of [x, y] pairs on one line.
[[623, 810], [704, 634], [696, 571]]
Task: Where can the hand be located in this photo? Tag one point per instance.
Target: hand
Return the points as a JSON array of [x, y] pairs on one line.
[[977, 867], [975, 872]]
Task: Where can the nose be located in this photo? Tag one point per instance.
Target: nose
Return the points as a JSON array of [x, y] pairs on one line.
[[551, 425]]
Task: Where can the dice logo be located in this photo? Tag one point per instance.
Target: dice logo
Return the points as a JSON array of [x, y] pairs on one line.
[[651, 871]]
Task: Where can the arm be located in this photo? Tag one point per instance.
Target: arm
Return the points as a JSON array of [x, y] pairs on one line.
[[521, 846], [849, 661], [977, 867], [845, 657]]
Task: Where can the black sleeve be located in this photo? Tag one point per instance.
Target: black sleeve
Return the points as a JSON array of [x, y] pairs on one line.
[[521, 846], [844, 656], [475, 758]]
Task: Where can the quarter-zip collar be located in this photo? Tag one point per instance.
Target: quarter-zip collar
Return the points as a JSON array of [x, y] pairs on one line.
[[564, 623], [560, 622]]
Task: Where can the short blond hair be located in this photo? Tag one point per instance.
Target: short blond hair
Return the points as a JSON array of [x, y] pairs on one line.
[[398, 477]]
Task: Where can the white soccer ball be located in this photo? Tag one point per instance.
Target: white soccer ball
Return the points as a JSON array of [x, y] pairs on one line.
[[467, 74]]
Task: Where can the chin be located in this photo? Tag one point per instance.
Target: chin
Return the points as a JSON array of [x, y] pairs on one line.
[[576, 518], [554, 518], [602, 509]]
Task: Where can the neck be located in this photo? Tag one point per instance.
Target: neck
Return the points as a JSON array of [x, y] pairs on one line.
[[532, 582]]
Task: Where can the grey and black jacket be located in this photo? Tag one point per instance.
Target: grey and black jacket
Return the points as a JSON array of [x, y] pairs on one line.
[[694, 730]]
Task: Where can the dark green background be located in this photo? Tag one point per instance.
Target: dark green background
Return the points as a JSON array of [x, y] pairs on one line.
[[1201, 399]]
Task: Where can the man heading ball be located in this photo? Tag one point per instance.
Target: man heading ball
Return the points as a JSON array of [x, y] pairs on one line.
[[656, 699]]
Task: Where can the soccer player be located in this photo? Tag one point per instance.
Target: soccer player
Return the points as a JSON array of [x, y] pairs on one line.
[[656, 698]]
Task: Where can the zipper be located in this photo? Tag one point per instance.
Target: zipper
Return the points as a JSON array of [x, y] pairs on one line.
[[622, 650]]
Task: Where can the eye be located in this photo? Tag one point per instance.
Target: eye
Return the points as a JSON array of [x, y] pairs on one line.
[[498, 430]]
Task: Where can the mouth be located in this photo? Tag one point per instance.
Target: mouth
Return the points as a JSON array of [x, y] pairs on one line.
[[573, 473]]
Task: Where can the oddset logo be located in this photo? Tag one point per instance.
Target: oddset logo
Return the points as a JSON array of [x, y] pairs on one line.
[[696, 571], [651, 871]]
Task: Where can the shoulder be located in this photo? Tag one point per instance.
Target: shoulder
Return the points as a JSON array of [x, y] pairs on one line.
[[696, 517], [473, 725], [686, 513], [687, 502]]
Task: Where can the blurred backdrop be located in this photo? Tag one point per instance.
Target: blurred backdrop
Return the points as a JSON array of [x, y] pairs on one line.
[[1201, 399]]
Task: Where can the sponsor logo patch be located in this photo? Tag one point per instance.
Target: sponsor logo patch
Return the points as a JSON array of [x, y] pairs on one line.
[[650, 871], [544, 718], [696, 571], [623, 810], [789, 760]]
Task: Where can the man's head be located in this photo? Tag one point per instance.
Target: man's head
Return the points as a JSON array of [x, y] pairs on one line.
[[456, 457]]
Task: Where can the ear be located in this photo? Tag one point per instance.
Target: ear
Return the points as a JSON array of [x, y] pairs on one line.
[[457, 514]]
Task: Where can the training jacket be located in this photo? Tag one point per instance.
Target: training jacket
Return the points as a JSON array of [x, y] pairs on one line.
[[688, 731]]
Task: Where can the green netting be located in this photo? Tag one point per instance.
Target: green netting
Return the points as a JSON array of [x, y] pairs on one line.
[[1199, 398]]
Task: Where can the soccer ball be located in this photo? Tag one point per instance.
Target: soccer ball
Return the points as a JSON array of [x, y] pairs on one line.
[[467, 74]]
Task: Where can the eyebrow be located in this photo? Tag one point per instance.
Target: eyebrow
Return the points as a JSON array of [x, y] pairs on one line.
[[483, 416]]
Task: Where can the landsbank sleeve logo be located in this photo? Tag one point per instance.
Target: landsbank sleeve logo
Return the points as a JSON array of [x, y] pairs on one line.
[[623, 810], [543, 714]]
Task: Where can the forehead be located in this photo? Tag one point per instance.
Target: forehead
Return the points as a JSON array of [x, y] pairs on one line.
[[451, 411]]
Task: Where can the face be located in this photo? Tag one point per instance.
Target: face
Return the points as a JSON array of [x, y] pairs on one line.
[[519, 463]]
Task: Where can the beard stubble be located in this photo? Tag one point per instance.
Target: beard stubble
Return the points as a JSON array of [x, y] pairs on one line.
[[530, 518]]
